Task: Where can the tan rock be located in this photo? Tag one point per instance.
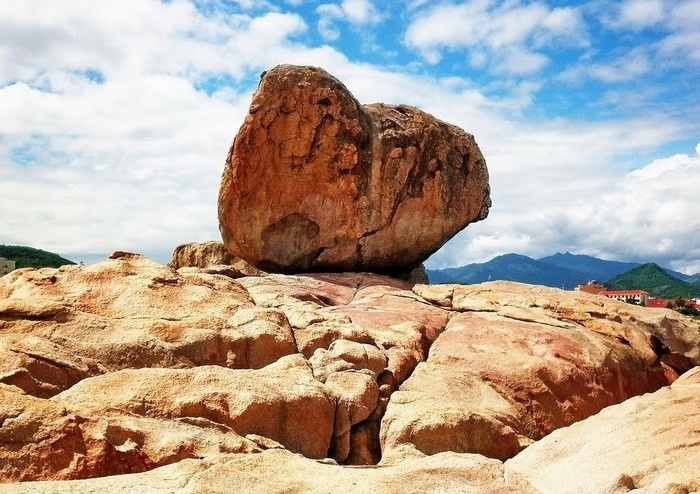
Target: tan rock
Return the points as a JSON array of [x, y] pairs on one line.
[[282, 401], [39, 367], [442, 408], [357, 392], [677, 333], [347, 355], [129, 312], [213, 258], [649, 444], [278, 471], [375, 187], [368, 309], [354, 322], [40, 439], [554, 375], [324, 355]]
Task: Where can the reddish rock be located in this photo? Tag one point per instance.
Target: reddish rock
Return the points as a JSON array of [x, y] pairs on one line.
[[648, 444], [321, 182], [518, 363], [143, 367]]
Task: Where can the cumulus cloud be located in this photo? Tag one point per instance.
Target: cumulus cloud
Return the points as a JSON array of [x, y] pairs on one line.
[[652, 214], [107, 140], [115, 123], [645, 214], [497, 28], [639, 14], [356, 12]]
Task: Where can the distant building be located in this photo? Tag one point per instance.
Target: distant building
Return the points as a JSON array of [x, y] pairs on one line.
[[639, 297], [669, 303], [593, 286], [660, 303], [6, 266]]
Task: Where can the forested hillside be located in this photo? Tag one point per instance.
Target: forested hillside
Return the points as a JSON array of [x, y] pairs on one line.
[[29, 257]]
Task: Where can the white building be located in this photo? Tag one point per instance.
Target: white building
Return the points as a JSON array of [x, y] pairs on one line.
[[639, 297]]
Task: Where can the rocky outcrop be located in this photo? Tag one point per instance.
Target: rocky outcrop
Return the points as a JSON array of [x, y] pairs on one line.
[[127, 366], [214, 258], [323, 183], [648, 444], [517, 362]]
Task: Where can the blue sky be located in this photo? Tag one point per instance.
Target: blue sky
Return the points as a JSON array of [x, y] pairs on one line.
[[116, 118]]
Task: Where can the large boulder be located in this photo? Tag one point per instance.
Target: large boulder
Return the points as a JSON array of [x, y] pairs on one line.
[[315, 181]]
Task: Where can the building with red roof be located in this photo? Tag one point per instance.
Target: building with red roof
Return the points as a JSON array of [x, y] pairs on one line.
[[639, 297]]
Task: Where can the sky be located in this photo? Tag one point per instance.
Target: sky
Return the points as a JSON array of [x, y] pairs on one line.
[[116, 117]]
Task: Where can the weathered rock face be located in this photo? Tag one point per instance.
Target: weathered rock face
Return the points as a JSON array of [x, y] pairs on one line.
[[131, 312], [277, 472], [214, 258], [514, 366], [647, 444], [200, 382], [323, 183]]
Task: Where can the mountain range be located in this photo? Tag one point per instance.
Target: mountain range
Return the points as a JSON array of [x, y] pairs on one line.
[[559, 270]]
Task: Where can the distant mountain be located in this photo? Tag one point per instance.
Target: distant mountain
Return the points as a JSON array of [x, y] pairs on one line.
[[652, 278], [559, 270], [592, 267], [29, 257], [511, 267], [693, 280]]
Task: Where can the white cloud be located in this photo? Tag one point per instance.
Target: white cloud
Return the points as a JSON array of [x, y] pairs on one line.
[[114, 129], [683, 42], [358, 13], [624, 68], [576, 200], [500, 29], [677, 20], [685, 15], [639, 14]]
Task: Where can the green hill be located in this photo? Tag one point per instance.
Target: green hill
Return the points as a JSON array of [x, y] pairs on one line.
[[654, 280], [694, 280], [29, 257]]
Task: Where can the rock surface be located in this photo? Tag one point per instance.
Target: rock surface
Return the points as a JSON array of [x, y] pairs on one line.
[[183, 379], [518, 363], [284, 472], [648, 444], [323, 183], [214, 257]]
